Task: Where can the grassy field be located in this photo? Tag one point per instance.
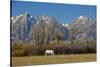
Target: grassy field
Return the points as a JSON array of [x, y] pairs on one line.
[[40, 60]]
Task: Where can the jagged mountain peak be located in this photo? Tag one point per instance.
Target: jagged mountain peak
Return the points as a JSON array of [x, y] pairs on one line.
[[22, 18], [82, 17], [83, 20], [23, 24], [46, 19], [26, 14], [44, 15], [82, 28]]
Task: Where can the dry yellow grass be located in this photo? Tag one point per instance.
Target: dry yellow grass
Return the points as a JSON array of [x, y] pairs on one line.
[[39, 60]]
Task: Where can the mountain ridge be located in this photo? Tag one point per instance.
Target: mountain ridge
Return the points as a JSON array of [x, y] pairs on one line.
[[23, 24]]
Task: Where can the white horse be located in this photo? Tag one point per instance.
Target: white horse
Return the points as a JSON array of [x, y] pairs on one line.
[[49, 52]]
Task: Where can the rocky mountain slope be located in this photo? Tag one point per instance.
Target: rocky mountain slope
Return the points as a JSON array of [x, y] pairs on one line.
[[83, 28], [23, 26]]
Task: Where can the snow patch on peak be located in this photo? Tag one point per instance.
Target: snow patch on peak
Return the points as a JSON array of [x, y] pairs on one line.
[[12, 18], [82, 17], [65, 25]]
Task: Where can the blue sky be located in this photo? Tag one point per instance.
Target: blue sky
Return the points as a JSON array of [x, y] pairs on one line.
[[64, 13]]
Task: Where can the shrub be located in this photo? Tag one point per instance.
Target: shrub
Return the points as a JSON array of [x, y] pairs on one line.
[[77, 47], [17, 49]]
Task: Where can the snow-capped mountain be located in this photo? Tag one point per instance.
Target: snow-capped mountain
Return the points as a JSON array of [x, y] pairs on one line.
[[22, 26], [48, 21], [83, 28]]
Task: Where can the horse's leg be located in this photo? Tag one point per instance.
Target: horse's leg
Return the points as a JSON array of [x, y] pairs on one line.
[[46, 54], [51, 54]]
